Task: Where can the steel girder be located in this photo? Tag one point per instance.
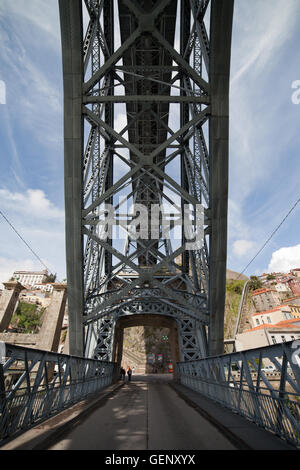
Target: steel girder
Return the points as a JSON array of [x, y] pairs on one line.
[[146, 122]]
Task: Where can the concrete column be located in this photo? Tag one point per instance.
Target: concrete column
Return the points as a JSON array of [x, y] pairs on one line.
[[118, 346], [8, 301], [67, 343], [50, 331]]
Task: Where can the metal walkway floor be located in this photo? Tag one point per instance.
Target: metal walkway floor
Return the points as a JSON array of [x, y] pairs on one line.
[[149, 413]]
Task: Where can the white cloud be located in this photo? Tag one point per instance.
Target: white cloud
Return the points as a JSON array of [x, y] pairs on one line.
[[44, 90], [121, 122], [39, 13], [238, 229], [242, 247], [284, 259], [273, 26], [34, 90], [16, 162], [254, 54], [262, 124], [32, 201], [37, 221], [8, 266]]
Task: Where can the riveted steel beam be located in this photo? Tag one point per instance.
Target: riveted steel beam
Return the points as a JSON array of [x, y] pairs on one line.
[[145, 123]]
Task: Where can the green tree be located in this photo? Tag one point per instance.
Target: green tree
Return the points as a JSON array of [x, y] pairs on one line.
[[255, 283], [51, 277], [235, 286], [27, 317]]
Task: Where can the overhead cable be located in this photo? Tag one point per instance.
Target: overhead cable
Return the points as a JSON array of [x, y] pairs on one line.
[[271, 236], [24, 241]]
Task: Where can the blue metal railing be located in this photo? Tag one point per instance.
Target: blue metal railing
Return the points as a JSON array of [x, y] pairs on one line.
[[35, 385], [240, 382]]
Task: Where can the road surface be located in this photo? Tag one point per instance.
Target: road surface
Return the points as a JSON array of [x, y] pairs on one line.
[[145, 414]]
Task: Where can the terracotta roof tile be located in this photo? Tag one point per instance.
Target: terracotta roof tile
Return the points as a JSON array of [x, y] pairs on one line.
[[275, 309], [282, 324], [262, 291]]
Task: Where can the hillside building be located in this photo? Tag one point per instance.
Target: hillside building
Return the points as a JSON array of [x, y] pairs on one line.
[[295, 272], [45, 287], [30, 278], [294, 285], [273, 316], [282, 286], [266, 299], [267, 334], [295, 310]]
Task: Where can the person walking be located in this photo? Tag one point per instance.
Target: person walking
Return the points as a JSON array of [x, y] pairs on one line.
[[129, 373], [122, 373]]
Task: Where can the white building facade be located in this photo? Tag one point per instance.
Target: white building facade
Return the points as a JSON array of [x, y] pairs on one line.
[[266, 335], [30, 278], [266, 299], [282, 287], [271, 317]]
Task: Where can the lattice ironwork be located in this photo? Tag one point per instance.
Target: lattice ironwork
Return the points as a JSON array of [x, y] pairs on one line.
[[35, 385], [240, 381], [142, 126]]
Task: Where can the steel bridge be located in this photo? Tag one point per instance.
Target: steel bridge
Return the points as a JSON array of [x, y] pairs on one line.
[[146, 111], [169, 77]]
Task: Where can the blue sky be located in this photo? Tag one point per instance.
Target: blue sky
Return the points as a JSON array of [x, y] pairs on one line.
[[264, 137]]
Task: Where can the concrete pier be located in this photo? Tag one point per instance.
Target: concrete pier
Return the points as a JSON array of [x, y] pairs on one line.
[[8, 301]]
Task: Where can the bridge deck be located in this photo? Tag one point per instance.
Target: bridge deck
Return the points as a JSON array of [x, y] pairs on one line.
[[148, 414], [144, 415]]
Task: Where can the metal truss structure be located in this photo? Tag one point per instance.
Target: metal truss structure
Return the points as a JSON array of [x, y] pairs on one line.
[[146, 123], [35, 385], [240, 382]]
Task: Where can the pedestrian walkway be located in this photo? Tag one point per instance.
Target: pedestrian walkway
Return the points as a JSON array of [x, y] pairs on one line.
[[145, 414], [149, 412], [245, 434]]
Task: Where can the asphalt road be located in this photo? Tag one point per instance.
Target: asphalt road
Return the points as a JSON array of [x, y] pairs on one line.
[[145, 414]]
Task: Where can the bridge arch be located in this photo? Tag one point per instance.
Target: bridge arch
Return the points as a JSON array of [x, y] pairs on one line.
[[146, 319], [148, 312]]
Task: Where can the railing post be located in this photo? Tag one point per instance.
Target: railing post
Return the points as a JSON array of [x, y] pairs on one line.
[[258, 372], [241, 387], [28, 419], [27, 374], [3, 403], [47, 398], [281, 394]]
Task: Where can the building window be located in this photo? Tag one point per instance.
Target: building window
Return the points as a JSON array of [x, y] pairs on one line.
[[292, 338], [273, 339], [269, 319], [257, 321]]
